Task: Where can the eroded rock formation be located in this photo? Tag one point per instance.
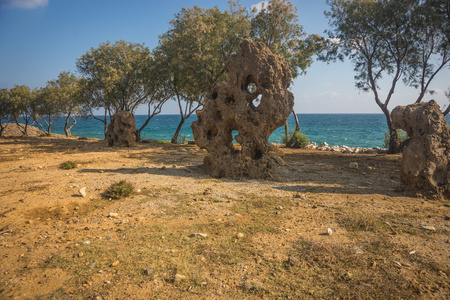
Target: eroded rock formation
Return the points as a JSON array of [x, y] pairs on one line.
[[253, 103], [425, 158], [122, 130]]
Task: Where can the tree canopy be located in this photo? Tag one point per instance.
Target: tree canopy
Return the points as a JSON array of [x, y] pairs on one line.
[[116, 74], [278, 27]]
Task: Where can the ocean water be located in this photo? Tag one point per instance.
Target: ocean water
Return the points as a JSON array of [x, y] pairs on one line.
[[354, 130]]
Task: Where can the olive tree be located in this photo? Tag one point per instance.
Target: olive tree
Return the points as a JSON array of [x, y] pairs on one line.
[[22, 98], [66, 92], [396, 39], [45, 108], [116, 77]]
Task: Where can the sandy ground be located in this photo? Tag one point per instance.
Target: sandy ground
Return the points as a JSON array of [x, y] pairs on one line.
[[56, 244]]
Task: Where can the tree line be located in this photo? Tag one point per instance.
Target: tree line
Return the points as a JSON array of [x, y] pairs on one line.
[[401, 40], [187, 62]]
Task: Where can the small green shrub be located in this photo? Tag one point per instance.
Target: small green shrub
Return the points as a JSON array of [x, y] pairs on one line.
[[119, 190], [69, 165], [402, 136], [182, 139], [296, 139]]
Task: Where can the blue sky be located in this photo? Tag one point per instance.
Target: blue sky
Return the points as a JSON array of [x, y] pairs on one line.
[[41, 38]]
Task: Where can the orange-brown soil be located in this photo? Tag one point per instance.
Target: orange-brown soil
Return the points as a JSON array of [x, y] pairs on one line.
[[264, 239]]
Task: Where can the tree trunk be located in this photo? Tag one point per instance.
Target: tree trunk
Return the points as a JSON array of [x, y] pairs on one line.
[[175, 136], [394, 143], [66, 126], [286, 129], [105, 129], [297, 124], [2, 127], [138, 131]]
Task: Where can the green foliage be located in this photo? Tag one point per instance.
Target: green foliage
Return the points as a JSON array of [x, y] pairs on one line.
[[162, 142], [295, 140], [277, 26], [69, 165], [119, 190], [402, 136], [22, 101], [182, 139], [116, 75]]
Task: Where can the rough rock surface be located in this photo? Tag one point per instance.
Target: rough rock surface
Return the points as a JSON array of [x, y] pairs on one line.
[[253, 102], [425, 158], [122, 130]]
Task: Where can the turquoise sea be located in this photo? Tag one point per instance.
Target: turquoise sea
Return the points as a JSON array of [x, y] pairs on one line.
[[354, 130]]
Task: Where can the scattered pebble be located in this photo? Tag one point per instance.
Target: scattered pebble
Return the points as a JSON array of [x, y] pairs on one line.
[[179, 277], [253, 285], [149, 271], [199, 234], [293, 261], [353, 165], [240, 235], [82, 191], [114, 264], [183, 150], [92, 265], [279, 160], [397, 264], [329, 231], [429, 228], [113, 215], [87, 243]]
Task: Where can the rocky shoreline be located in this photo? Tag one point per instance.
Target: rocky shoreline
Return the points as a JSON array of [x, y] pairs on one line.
[[345, 149]]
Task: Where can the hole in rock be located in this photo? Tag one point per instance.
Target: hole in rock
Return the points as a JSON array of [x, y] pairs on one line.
[[257, 154], [218, 116], [214, 95], [210, 134], [229, 100]]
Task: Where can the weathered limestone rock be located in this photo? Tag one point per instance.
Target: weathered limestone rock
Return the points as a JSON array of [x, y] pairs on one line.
[[425, 158], [253, 102], [122, 130]]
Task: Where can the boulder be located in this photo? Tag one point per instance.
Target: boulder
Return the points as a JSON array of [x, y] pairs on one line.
[[425, 158], [253, 102], [122, 130]]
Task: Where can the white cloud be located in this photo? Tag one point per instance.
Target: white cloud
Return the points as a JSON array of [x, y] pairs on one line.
[[26, 4], [259, 6]]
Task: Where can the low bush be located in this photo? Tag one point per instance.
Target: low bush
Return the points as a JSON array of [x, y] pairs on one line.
[[119, 190], [402, 136], [295, 140], [68, 165]]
